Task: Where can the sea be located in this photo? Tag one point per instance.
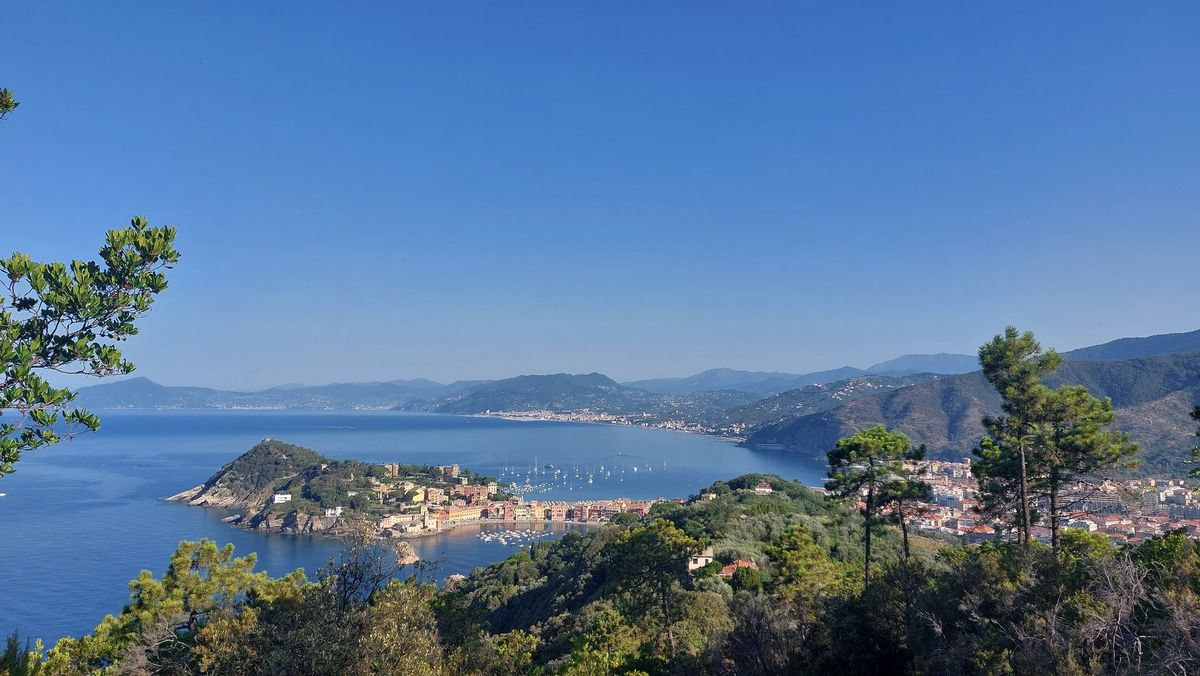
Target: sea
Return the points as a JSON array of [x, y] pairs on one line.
[[80, 519]]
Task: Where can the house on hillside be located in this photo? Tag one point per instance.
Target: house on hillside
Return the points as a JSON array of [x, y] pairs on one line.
[[701, 559], [729, 570], [763, 488], [280, 498]]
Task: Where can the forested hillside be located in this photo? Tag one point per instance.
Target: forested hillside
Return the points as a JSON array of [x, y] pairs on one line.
[[945, 414]]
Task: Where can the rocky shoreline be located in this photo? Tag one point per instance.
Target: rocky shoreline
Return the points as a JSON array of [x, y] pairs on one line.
[[264, 521]]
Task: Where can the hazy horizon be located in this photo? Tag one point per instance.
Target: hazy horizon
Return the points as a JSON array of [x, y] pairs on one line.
[[464, 192], [84, 381]]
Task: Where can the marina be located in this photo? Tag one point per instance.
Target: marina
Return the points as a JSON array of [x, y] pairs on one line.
[[538, 479], [516, 538]]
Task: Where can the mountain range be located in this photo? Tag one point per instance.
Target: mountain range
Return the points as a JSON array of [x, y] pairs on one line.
[[936, 399], [768, 382], [1153, 382], [140, 393]]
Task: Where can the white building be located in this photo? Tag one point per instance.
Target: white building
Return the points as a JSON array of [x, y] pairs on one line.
[[282, 498], [334, 511], [700, 560]]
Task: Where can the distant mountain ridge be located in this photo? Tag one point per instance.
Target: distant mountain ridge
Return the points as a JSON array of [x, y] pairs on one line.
[[143, 393], [814, 399], [1152, 381], [768, 382], [1134, 348], [1151, 396], [552, 392], [943, 363], [754, 382]]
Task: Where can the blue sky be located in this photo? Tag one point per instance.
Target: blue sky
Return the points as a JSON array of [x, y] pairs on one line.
[[370, 191]]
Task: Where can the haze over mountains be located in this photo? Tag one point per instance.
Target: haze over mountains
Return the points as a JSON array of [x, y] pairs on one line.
[[142, 392], [936, 399], [765, 383]]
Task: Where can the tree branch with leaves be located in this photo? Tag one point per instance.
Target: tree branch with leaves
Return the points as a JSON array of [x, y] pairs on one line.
[[69, 318]]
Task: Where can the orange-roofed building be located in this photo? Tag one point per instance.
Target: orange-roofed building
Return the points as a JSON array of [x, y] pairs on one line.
[[729, 570]]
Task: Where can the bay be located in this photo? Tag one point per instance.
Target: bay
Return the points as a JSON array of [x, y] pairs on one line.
[[82, 518]]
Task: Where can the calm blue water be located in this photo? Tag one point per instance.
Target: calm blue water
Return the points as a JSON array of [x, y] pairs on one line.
[[82, 518]]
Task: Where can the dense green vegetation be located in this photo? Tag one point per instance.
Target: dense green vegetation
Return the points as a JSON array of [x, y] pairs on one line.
[[264, 465], [619, 600], [356, 490]]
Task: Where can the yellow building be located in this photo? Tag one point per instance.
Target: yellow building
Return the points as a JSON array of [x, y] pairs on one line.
[[461, 513]]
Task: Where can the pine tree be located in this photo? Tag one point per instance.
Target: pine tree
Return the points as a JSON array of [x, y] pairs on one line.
[[1046, 440], [871, 465], [1014, 364]]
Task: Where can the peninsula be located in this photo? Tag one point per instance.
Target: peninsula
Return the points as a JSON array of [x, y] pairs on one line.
[[282, 488]]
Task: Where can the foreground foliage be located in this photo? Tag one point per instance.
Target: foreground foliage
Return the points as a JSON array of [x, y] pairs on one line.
[[620, 600], [69, 318]]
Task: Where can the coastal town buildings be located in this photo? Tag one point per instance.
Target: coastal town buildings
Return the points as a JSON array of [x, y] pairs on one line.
[[445, 496], [1129, 511]]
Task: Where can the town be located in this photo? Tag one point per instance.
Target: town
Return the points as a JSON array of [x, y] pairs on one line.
[[1129, 511], [419, 500], [416, 500]]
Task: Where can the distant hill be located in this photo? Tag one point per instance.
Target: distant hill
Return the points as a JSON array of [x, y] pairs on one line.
[[927, 363], [143, 393], [1134, 348], [814, 399], [1151, 380], [552, 392], [754, 382], [1151, 396], [249, 479], [764, 383]]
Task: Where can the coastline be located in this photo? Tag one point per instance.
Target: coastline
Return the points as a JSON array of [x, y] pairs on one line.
[[234, 520], [542, 416], [514, 416]]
